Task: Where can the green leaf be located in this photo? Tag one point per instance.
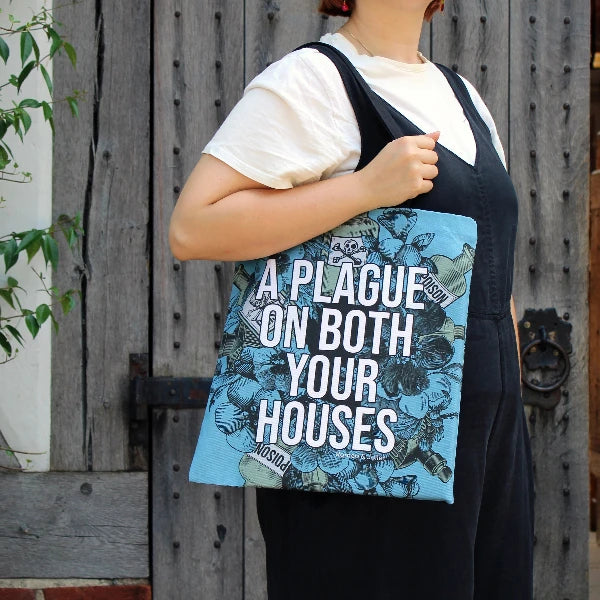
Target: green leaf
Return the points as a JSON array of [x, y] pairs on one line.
[[29, 238], [47, 110], [50, 250], [26, 46], [4, 159], [48, 80], [42, 312], [3, 127], [56, 41], [29, 103], [5, 344], [18, 130], [32, 325], [54, 322], [24, 73], [36, 50], [16, 333], [7, 296], [26, 120], [70, 53], [4, 50], [9, 151], [33, 248], [73, 105], [11, 254], [72, 237], [12, 282], [67, 302]]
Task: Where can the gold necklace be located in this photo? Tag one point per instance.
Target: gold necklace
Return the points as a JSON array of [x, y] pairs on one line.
[[419, 54]]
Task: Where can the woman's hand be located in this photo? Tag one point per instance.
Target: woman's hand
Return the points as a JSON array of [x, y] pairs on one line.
[[401, 171]]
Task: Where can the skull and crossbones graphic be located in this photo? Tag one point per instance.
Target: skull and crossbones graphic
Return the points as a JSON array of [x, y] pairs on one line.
[[349, 248]]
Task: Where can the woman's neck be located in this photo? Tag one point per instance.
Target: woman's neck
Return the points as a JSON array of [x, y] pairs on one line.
[[386, 30]]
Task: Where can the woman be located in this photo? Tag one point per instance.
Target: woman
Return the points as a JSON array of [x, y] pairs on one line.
[[283, 169]]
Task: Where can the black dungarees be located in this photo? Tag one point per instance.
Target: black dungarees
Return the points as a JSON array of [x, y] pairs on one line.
[[348, 547]]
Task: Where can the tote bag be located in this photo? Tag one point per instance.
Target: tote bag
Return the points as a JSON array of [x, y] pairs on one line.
[[341, 360]]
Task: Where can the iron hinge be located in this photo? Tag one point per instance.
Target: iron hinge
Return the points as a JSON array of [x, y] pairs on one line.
[[147, 392]]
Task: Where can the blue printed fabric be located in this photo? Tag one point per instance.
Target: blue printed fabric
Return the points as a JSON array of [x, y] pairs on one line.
[[340, 366]]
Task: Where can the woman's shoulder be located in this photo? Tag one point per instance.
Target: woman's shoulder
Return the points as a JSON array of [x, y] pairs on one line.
[[287, 128], [309, 84], [303, 71]]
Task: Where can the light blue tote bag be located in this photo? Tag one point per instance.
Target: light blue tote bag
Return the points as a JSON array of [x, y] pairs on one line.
[[340, 365]]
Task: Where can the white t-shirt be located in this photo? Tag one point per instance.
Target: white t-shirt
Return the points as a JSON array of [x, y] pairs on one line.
[[295, 123]]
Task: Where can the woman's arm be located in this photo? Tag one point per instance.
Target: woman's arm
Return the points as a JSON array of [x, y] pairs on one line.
[[223, 215], [513, 312]]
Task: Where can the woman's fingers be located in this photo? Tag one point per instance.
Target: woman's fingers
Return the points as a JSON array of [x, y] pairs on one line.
[[427, 141], [429, 171], [403, 169], [429, 157]]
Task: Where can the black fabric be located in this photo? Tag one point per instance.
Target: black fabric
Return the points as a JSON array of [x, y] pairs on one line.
[[329, 546]]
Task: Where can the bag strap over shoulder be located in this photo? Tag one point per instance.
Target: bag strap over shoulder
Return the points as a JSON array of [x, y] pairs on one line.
[[375, 122]]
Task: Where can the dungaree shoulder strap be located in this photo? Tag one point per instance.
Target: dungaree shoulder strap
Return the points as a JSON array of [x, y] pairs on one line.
[[462, 93], [376, 125]]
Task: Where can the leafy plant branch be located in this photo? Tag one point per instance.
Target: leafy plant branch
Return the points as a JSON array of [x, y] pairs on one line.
[[16, 117]]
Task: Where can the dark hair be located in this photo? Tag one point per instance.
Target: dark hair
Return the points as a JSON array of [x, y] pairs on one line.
[[334, 7]]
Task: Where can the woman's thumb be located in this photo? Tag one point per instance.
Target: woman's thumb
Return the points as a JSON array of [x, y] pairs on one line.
[[434, 136]]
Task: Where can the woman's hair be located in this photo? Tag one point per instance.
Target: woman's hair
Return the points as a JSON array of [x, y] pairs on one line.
[[334, 8]]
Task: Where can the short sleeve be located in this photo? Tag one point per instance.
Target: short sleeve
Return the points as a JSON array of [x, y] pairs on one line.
[[487, 118], [284, 131]]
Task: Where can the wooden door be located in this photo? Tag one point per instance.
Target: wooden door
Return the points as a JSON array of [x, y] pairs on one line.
[[161, 76], [530, 62]]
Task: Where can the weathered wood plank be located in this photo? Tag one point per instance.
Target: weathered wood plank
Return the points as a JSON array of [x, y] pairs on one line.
[[549, 150], [594, 312], [472, 37], [426, 39], [198, 69], [275, 28], [72, 161], [117, 316], [74, 524], [109, 158], [199, 76], [198, 530], [255, 575]]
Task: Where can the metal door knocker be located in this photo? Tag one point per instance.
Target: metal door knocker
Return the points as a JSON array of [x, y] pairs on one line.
[[545, 349]]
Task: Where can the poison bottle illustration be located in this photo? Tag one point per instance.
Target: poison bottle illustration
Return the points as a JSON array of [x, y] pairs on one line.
[[266, 465], [448, 330], [449, 282], [406, 452]]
